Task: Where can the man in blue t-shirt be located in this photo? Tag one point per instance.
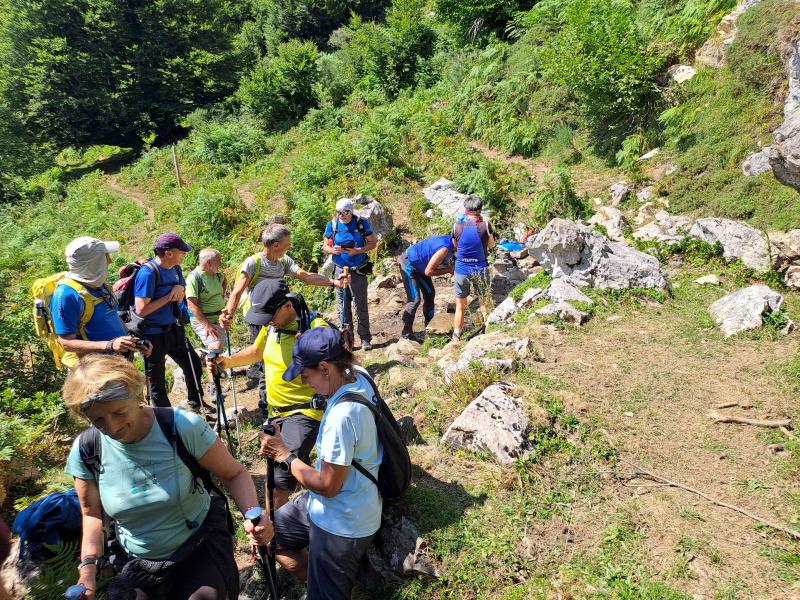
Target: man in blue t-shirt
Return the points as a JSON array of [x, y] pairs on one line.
[[421, 261], [348, 239], [472, 238], [157, 304], [88, 259]]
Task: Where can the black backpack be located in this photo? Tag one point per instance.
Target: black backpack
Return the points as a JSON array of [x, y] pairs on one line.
[[394, 475], [90, 447]]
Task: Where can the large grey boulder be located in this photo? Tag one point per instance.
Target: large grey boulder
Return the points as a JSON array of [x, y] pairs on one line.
[[742, 310], [792, 277], [738, 240], [619, 192], [495, 422], [444, 196], [403, 351], [612, 220], [564, 311], [584, 257], [497, 343], [757, 163], [665, 229], [503, 312], [561, 290], [369, 208]]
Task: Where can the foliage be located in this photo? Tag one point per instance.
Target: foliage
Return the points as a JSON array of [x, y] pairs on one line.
[[231, 142], [557, 198], [478, 20], [540, 280], [209, 214], [489, 180]]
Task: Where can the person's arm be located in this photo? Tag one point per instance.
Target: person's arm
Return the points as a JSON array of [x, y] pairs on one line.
[[246, 356], [239, 287], [72, 343], [92, 531], [319, 280], [370, 242], [199, 316], [146, 306], [434, 267]]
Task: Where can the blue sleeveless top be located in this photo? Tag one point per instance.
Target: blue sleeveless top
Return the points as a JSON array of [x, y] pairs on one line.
[[472, 239], [419, 255]]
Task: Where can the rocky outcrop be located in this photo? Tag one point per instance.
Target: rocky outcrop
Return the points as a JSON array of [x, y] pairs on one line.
[[738, 240], [398, 552], [712, 53], [612, 220], [792, 277], [403, 352], [503, 312], [666, 229], [586, 258], [564, 311], [619, 192], [558, 292], [368, 208], [788, 245], [444, 196], [495, 422], [384, 282], [742, 310]]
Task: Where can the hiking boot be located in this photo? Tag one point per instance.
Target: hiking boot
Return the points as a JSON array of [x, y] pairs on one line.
[[251, 383], [203, 409], [366, 346]]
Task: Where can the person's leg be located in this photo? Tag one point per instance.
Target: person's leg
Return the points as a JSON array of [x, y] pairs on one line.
[[154, 368], [344, 301], [333, 563], [412, 298], [255, 372], [461, 292], [180, 350], [425, 285], [291, 536], [483, 289], [299, 433], [359, 285]]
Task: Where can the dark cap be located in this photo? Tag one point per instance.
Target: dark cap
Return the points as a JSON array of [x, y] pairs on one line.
[[314, 346], [171, 241], [265, 300]]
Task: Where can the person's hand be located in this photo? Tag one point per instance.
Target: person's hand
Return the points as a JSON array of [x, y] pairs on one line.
[[343, 281], [261, 534], [148, 349], [272, 446], [211, 331], [87, 577], [337, 250], [177, 293], [225, 320], [123, 344], [353, 251]]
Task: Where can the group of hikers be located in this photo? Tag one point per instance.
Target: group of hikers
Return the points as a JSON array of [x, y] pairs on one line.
[[145, 466]]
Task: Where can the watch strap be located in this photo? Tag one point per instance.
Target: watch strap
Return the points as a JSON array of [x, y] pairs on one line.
[[286, 465]]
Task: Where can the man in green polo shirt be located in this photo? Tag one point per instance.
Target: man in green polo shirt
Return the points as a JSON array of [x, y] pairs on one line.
[[205, 295]]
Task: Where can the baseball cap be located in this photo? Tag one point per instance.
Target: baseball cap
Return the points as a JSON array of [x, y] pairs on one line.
[[265, 300], [171, 241], [84, 247], [344, 204], [314, 346]]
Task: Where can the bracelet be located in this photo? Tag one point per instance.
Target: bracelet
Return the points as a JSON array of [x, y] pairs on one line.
[[88, 560], [110, 346]]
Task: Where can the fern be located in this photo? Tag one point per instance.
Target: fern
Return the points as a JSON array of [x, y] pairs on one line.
[[58, 572]]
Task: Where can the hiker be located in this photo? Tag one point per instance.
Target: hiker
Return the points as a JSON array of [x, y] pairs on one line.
[[205, 296], [421, 261], [271, 263], [88, 259], [323, 533], [157, 305], [472, 238], [142, 480], [347, 239], [274, 313]]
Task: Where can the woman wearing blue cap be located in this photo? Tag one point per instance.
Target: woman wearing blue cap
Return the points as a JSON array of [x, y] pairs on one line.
[[323, 533]]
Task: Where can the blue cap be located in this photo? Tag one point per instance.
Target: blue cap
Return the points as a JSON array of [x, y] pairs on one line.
[[314, 346]]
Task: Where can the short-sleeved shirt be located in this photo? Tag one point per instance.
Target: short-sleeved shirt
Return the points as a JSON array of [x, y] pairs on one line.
[[346, 235], [276, 350], [212, 295], [420, 254], [145, 287], [67, 306], [147, 489], [347, 433], [269, 269]]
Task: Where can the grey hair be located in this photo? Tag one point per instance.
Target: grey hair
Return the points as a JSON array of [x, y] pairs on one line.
[[207, 254], [275, 233], [473, 203]]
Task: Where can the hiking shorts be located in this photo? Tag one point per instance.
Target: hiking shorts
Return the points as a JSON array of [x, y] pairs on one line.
[[299, 433], [206, 339], [463, 283]]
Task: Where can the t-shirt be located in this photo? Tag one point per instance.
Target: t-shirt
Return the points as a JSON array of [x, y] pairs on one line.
[[67, 306], [420, 254], [347, 433], [212, 296], [147, 488], [471, 248], [276, 350], [145, 287], [278, 269], [346, 235]]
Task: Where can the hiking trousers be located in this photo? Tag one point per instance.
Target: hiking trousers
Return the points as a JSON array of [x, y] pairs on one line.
[[173, 343], [419, 288], [356, 294]]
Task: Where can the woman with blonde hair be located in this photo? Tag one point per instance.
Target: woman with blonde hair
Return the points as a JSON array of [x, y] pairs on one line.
[[173, 534]]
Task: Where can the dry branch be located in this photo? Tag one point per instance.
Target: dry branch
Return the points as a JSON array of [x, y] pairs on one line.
[[776, 423], [726, 405], [641, 473]]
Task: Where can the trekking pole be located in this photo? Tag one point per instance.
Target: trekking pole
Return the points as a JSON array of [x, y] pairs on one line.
[[177, 312], [233, 391], [254, 516], [219, 402], [348, 335], [75, 592], [269, 429]]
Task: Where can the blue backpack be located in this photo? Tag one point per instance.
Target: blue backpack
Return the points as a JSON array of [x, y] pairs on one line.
[[53, 519]]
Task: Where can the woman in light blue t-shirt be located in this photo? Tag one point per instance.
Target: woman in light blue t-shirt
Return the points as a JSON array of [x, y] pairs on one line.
[[173, 537], [323, 534]]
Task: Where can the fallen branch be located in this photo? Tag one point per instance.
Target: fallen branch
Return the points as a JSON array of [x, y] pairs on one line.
[[641, 473], [776, 423], [726, 405]]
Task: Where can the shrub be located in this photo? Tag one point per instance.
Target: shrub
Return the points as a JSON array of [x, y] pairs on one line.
[[209, 214], [478, 20], [230, 142], [557, 198], [309, 212]]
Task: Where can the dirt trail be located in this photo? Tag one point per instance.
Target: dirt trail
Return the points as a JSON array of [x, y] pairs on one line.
[[140, 198]]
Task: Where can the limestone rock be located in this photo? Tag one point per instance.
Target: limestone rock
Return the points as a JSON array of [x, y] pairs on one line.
[[739, 240], [645, 194], [529, 297], [742, 310], [756, 163], [494, 422], [788, 245], [503, 312], [503, 365], [651, 154], [666, 229], [682, 73], [369, 208], [712, 53], [708, 280], [398, 552], [561, 290], [397, 377], [619, 192], [584, 257], [443, 196], [792, 277], [612, 220], [179, 388], [645, 212], [498, 343], [403, 351], [784, 156], [564, 311], [440, 324], [385, 282]]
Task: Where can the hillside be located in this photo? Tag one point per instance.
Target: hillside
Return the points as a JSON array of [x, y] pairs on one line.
[[629, 115]]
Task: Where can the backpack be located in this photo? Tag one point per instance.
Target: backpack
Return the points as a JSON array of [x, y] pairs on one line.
[[90, 447], [394, 475], [53, 519], [359, 226], [124, 287], [201, 286], [42, 291]]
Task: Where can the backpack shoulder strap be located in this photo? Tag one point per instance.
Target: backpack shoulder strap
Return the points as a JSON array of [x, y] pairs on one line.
[[359, 399], [154, 268], [89, 302], [256, 272], [334, 226], [458, 229], [90, 448], [360, 226], [198, 278]]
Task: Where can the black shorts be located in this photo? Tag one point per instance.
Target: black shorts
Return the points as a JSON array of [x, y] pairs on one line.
[[299, 433], [333, 560]]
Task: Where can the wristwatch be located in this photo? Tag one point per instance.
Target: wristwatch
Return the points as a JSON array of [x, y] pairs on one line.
[[89, 560], [286, 465]]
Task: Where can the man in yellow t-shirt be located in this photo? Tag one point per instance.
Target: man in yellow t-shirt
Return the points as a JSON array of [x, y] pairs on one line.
[[290, 402]]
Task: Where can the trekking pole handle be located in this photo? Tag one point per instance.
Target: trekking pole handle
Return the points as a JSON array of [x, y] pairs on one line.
[[268, 428], [75, 592], [254, 515]]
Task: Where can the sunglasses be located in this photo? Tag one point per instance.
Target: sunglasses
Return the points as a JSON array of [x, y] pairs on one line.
[[343, 212]]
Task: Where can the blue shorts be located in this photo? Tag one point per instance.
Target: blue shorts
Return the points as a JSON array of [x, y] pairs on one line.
[[462, 284]]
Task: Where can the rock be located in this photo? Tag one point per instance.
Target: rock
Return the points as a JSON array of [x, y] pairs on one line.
[[682, 73], [584, 257], [666, 229], [368, 208], [443, 196], [430, 213], [645, 212], [530, 297], [440, 324], [397, 377], [497, 343], [645, 194], [756, 163], [788, 245], [403, 351], [503, 312], [708, 280], [179, 384], [619, 192], [398, 551], [564, 311], [738, 240], [519, 254], [408, 430], [612, 220], [792, 277], [561, 290], [494, 422], [420, 385], [742, 310], [784, 155], [384, 282], [712, 52], [652, 154], [503, 365]]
